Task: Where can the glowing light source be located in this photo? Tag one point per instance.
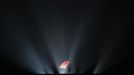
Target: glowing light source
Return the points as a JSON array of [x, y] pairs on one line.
[[64, 65], [63, 68]]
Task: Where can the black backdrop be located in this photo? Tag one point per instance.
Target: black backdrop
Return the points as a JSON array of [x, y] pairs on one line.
[[107, 26]]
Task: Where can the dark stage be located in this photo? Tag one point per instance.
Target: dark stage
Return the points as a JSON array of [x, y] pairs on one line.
[[66, 37]]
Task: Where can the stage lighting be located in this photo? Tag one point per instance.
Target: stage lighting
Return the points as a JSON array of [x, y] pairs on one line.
[[63, 68], [64, 65]]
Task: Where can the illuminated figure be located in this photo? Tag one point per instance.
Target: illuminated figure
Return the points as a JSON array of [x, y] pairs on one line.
[[64, 67]]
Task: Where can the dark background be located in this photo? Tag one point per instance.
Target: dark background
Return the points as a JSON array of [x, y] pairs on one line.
[[108, 34]]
